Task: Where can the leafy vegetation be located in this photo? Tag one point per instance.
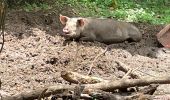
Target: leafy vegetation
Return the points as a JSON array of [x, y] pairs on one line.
[[150, 11], [30, 7]]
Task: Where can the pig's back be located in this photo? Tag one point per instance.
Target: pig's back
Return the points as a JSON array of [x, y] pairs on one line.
[[110, 30]]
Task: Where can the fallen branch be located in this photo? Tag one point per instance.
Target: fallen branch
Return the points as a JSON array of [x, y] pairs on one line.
[[125, 83], [105, 86], [76, 78], [3, 8], [58, 89], [76, 54], [0, 83]]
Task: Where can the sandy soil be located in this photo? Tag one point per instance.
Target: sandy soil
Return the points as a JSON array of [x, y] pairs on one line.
[[34, 54]]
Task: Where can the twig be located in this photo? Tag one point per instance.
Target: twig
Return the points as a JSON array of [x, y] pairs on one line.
[[126, 68], [92, 64], [125, 76], [2, 21], [0, 84], [75, 57], [130, 72]]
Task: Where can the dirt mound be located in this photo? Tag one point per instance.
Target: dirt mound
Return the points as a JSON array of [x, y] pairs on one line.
[[34, 53]]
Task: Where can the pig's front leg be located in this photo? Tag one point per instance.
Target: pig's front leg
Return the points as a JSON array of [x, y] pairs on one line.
[[89, 36], [86, 39]]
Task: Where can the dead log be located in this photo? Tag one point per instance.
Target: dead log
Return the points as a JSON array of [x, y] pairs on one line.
[[125, 83], [76, 78], [105, 86], [58, 89]]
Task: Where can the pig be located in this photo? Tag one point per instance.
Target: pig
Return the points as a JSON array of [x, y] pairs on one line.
[[99, 29]]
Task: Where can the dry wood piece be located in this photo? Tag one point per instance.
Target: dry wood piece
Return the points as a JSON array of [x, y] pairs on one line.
[[36, 93], [105, 86], [126, 69], [76, 78], [3, 7], [125, 83], [128, 73]]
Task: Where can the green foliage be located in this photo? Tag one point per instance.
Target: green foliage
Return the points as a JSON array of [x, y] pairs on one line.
[[35, 7], [150, 11]]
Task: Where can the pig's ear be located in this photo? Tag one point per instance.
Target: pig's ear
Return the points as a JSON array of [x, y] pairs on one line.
[[63, 19], [80, 22]]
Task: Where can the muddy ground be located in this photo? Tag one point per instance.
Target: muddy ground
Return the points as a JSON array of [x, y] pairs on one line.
[[34, 54]]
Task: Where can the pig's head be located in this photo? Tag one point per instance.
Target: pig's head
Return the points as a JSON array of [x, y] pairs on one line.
[[73, 26]]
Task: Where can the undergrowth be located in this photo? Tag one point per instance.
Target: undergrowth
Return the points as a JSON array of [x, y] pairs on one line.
[[149, 11]]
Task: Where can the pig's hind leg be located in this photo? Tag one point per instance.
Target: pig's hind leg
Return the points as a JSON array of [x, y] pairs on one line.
[[135, 37]]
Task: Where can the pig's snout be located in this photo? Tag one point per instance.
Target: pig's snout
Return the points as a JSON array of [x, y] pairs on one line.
[[65, 30]]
